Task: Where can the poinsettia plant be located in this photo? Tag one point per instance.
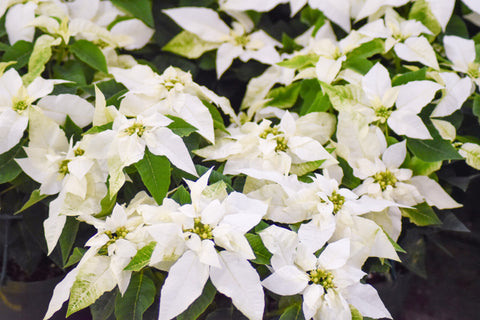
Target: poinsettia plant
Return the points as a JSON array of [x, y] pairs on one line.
[[273, 153]]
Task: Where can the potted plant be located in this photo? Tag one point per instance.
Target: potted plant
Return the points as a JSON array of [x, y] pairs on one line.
[[227, 159]]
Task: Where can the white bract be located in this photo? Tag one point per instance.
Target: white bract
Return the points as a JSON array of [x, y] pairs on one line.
[[101, 269], [455, 93], [17, 22], [320, 146], [326, 211], [409, 100], [377, 102], [461, 52], [128, 139], [339, 11], [81, 19], [386, 179], [328, 282], [59, 167], [172, 93], [412, 97], [267, 151], [331, 53], [16, 101], [215, 219], [236, 42], [404, 36]]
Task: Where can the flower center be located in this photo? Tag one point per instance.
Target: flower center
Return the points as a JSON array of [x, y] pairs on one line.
[[240, 40], [20, 105], [137, 128], [473, 69], [279, 138], [120, 233], [338, 200], [63, 167], [204, 231], [321, 277], [382, 113], [336, 54], [385, 179], [170, 84], [78, 152]]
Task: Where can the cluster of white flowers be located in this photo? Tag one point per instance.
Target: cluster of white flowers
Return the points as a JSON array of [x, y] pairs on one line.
[[350, 119], [96, 21]]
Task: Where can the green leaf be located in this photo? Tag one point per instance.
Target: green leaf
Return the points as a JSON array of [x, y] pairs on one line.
[[182, 196], [34, 198], [207, 61], [72, 70], [41, 54], [300, 62], [155, 173], [284, 97], [104, 306], [321, 103], [4, 46], [262, 255], [288, 44], [180, 127], [200, 304], [360, 65], [215, 176], [72, 130], [421, 11], [68, 236], [142, 258], [422, 168], [312, 17], [19, 52], [286, 301], [97, 129], [314, 100], [476, 107], [356, 315], [76, 256], [139, 296], [261, 226], [109, 88], [89, 53], [452, 223], [348, 180], [9, 169], [415, 245], [420, 74], [379, 265], [301, 169], [422, 215], [141, 9], [107, 204], [433, 150], [216, 116], [457, 27], [189, 45], [394, 244], [367, 49], [294, 312]]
